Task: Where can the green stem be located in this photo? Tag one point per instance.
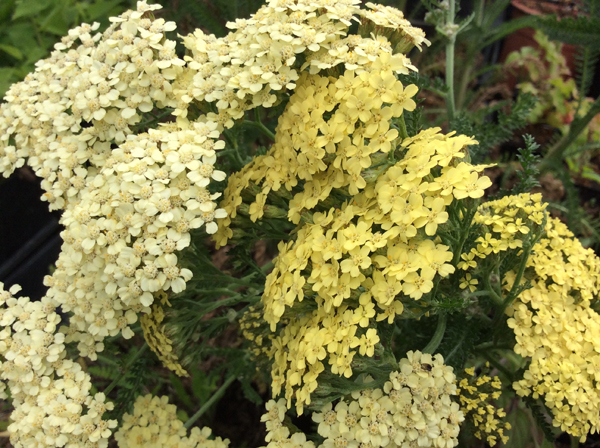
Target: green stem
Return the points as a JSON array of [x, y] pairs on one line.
[[259, 125], [492, 346], [112, 385], [437, 336], [402, 127], [471, 53], [489, 288], [466, 222], [515, 287], [233, 144], [556, 153], [210, 402], [450, 63]]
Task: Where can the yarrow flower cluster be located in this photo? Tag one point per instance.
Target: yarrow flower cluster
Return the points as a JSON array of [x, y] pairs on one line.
[[554, 320], [414, 409], [328, 134], [557, 326], [154, 424], [53, 406], [507, 223], [257, 62], [363, 262], [129, 199], [475, 395]]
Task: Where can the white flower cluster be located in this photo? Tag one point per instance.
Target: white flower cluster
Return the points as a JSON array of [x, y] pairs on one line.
[[399, 31], [130, 199], [257, 62], [154, 424], [413, 410], [50, 394]]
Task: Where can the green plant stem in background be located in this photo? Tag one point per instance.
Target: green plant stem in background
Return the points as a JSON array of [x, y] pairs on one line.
[[555, 154], [135, 357], [450, 62], [210, 402], [437, 336], [472, 52]]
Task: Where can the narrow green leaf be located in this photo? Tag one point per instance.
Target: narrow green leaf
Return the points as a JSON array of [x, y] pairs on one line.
[[492, 12], [28, 8], [508, 28], [250, 393], [14, 52], [203, 385]]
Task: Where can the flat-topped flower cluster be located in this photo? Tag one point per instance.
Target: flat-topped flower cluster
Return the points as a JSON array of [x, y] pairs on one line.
[[51, 395], [347, 268], [414, 409], [154, 424]]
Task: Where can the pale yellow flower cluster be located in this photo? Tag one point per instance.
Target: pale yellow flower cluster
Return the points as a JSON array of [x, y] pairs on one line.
[[507, 223], [154, 424], [557, 326], [414, 409], [351, 266], [278, 435], [257, 62], [51, 396], [129, 200], [475, 395]]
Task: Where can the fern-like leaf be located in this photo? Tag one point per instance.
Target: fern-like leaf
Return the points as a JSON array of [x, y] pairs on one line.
[[541, 415], [580, 30], [528, 176], [586, 59]]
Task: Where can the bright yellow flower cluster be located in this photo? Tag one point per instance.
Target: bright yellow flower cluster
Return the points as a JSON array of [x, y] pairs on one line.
[[475, 393], [154, 424], [361, 262], [555, 322], [507, 222], [414, 409], [156, 337], [325, 139], [557, 326]]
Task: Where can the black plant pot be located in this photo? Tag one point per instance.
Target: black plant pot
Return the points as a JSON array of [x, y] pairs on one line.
[[29, 234]]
